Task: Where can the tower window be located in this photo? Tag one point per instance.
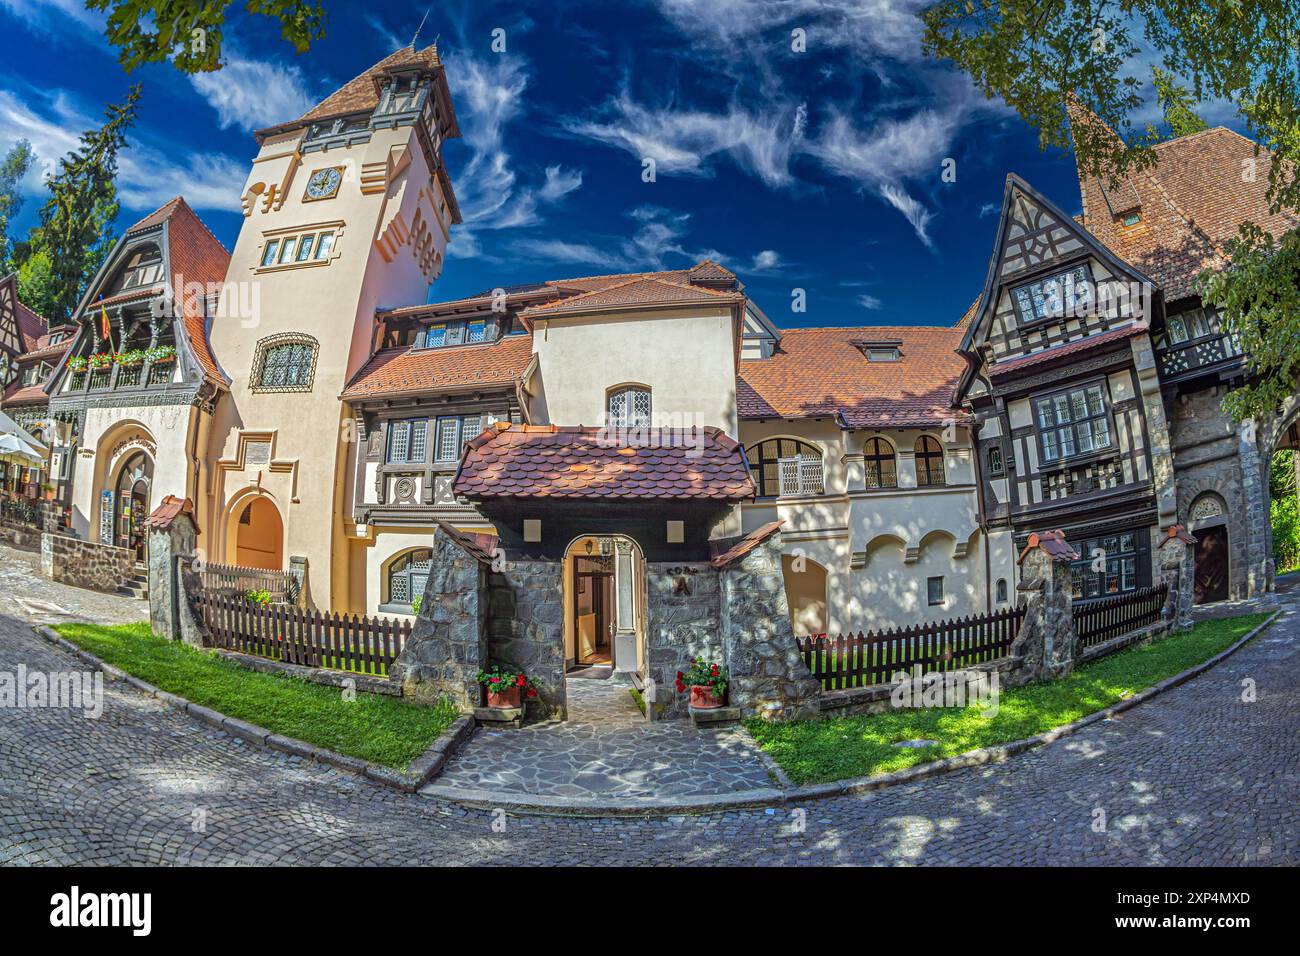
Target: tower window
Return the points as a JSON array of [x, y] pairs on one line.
[[285, 363]]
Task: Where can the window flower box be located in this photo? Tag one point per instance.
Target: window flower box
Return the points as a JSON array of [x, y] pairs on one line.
[[132, 358], [77, 364], [160, 354], [101, 360]]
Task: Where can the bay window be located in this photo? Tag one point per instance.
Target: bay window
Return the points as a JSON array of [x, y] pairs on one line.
[[1072, 423]]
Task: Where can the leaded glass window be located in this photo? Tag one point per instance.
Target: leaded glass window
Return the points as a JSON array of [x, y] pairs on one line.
[[1064, 294], [929, 462], [881, 464], [629, 408], [1073, 423], [1112, 564], [785, 467], [287, 365], [408, 576], [406, 441]]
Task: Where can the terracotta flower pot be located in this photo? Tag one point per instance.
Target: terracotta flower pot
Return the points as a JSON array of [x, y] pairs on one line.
[[703, 698], [509, 697]]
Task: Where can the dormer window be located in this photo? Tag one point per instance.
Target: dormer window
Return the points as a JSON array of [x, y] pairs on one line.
[[881, 351], [1132, 219], [1056, 296], [444, 334]]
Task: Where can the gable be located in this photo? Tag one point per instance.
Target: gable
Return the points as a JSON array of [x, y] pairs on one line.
[[11, 336], [1049, 283]]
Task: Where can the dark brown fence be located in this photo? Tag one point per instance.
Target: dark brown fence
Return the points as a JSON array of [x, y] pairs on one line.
[[1099, 619], [230, 580], [366, 645], [861, 660]]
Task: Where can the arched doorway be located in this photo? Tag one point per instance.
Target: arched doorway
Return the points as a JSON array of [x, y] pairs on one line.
[[1209, 525], [131, 503], [604, 605], [258, 534]]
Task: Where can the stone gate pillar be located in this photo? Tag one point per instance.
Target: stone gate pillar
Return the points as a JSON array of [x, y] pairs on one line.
[[1177, 572], [173, 536], [448, 644], [768, 676], [1047, 641]]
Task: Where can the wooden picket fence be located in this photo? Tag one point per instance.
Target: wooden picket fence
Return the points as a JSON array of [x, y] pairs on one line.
[[232, 580], [863, 659], [1099, 619], [365, 645]]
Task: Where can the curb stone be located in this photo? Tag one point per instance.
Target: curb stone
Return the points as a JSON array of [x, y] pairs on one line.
[[751, 799], [422, 770], [427, 766]]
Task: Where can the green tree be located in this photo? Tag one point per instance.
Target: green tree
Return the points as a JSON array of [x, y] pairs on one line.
[[1281, 475], [1035, 54], [75, 231], [1177, 103], [38, 287], [12, 169], [189, 33]]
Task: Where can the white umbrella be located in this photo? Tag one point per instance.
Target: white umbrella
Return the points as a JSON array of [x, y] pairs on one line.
[[11, 446]]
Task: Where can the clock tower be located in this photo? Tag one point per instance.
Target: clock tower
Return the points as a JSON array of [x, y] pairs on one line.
[[347, 209]]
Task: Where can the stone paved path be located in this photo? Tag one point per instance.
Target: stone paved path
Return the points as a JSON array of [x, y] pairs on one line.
[[606, 749], [25, 594], [1194, 777]]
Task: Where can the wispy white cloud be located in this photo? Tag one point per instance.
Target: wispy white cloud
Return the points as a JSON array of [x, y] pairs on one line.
[[768, 260], [870, 302], [559, 183], [988, 209], [55, 15], [252, 94], [682, 141], [149, 173]]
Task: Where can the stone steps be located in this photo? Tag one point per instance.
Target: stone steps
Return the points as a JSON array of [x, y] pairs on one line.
[[137, 587]]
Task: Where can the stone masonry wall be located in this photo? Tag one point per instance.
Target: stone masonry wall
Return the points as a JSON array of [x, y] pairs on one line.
[[768, 677], [525, 621], [682, 622], [83, 564], [1206, 459], [448, 644]]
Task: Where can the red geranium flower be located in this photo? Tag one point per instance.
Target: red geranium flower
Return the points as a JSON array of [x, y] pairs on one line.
[[520, 681], [714, 671], [532, 692], [495, 680], [680, 676]]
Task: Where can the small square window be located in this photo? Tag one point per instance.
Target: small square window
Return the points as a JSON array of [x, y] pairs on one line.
[[676, 532], [272, 247], [286, 251], [934, 590], [1132, 219], [532, 530]]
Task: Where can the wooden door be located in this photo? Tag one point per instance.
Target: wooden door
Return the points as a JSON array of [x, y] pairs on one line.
[[1211, 583]]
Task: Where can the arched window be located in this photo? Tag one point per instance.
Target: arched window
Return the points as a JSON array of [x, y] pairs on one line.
[[629, 407], [1208, 505], [929, 462], [881, 464], [1002, 591], [285, 363], [785, 467], [406, 578]]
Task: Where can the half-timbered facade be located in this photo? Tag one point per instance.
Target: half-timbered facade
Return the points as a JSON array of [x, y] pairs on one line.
[[1066, 395], [138, 382]]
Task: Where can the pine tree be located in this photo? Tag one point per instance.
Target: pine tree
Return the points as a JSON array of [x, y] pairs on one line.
[[12, 169], [75, 232]]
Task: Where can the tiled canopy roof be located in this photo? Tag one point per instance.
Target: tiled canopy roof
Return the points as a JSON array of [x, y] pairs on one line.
[[736, 548], [1007, 366], [401, 370], [822, 373], [546, 461], [1191, 202], [645, 290]]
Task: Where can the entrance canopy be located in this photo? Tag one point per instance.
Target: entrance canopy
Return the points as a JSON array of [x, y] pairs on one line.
[[549, 461]]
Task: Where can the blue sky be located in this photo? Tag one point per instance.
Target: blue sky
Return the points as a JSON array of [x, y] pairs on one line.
[[818, 169]]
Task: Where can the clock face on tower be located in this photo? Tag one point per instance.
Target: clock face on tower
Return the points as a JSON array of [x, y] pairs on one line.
[[324, 183]]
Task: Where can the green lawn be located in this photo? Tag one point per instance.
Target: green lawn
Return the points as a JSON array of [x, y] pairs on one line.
[[816, 751], [382, 730]]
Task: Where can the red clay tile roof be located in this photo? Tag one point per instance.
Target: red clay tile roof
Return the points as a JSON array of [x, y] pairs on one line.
[[360, 94], [19, 394], [396, 371], [1051, 543], [821, 373], [634, 292], [737, 548], [478, 545], [171, 508], [1192, 202], [198, 261], [547, 461], [673, 282], [1007, 366]]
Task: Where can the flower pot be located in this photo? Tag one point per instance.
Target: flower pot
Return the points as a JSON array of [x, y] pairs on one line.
[[703, 698], [503, 698]]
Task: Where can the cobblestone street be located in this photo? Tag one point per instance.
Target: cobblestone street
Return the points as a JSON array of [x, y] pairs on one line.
[[1193, 777]]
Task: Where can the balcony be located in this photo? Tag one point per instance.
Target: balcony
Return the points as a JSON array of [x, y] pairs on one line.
[[1196, 355]]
